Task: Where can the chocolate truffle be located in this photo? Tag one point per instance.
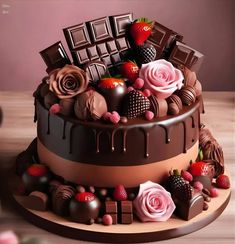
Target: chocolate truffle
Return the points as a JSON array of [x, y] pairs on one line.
[[67, 106], [61, 197], [113, 90], [90, 105], [36, 200], [173, 109], [190, 77], [175, 99], [158, 106], [84, 207], [50, 99], [187, 95], [36, 178], [198, 88]]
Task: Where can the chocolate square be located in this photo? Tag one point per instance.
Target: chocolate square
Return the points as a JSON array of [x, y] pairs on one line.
[[81, 56], [112, 48], [120, 23], [126, 207], [181, 54], [115, 58], [127, 218], [102, 49], [55, 56], [100, 29], [122, 44], [77, 36], [92, 52], [111, 207], [114, 217], [95, 70], [107, 60]]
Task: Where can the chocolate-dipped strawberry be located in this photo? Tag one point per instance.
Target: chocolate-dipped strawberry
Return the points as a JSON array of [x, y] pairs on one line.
[[84, 207], [36, 178], [113, 90]]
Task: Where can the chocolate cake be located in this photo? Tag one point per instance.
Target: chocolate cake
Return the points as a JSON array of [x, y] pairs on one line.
[[120, 121]]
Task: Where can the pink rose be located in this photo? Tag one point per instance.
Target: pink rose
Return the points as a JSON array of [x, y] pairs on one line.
[[161, 78], [68, 81], [8, 237], [153, 203]]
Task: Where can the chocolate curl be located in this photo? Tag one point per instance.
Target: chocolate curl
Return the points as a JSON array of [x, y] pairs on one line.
[[212, 151]]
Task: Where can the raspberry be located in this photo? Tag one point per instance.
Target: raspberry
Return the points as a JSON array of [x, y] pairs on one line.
[[198, 185], [223, 182], [55, 108], [119, 193], [138, 84], [214, 192], [186, 175], [107, 219], [149, 115], [115, 117]]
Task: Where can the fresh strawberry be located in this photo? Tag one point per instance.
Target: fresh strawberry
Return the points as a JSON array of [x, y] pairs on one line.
[[85, 197], [200, 168], [223, 182], [110, 83], [37, 170], [130, 70], [120, 193], [140, 30]]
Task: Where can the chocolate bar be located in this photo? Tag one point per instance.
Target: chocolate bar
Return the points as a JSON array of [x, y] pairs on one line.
[[95, 71], [55, 56], [186, 56], [126, 212], [188, 210], [111, 208]]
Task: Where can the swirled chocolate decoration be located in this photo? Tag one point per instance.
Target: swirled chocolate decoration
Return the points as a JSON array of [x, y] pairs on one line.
[[158, 106], [212, 151], [187, 95], [175, 99], [173, 109], [61, 198]]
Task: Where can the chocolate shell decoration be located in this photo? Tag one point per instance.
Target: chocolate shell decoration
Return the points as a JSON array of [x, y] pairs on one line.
[[187, 95], [61, 197], [158, 106], [174, 104], [212, 151]]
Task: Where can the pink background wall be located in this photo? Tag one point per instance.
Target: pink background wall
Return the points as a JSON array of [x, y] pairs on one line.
[[26, 27]]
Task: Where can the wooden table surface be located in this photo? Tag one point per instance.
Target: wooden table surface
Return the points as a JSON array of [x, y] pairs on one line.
[[18, 130]]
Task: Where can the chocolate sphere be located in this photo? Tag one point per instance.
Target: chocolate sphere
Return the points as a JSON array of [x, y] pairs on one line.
[[50, 99], [36, 178], [84, 207], [113, 91]]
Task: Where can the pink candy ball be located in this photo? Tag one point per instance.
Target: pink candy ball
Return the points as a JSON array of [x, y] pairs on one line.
[[214, 192], [149, 115], [130, 88], [147, 92], [115, 117], [55, 108], [198, 185], [107, 219], [138, 84]]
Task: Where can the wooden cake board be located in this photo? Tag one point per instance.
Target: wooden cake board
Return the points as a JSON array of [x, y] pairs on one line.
[[134, 233]]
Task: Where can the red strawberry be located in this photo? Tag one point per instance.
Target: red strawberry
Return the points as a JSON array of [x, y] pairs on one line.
[[130, 70], [85, 197], [110, 83], [200, 168], [119, 193], [140, 30], [223, 182], [37, 170]]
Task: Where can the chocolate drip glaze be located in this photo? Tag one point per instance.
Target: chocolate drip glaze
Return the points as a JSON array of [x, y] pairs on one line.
[[137, 142]]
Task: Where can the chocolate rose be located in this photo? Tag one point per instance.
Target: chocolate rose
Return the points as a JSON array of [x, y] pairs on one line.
[[68, 81], [153, 203], [161, 78]]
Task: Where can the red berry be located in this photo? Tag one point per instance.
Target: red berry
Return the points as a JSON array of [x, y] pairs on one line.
[[186, 175], [140, 30], [149, 115], [138, 84], [200, 168], [55, 108], [37, 170], [214, 192], [119, 193], [130, 70], [85, 197], [223, 182], [110, 83], [107, 219], [198, 185], [115, 117]]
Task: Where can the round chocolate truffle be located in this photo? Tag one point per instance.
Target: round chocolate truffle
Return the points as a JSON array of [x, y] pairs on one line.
[[173, 109], [175, 99], [187, 95], [113, 90], [198, 88], [158, 106], [50, 99], [36, 178], [84, 207], [67, 106], [90, 105]]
